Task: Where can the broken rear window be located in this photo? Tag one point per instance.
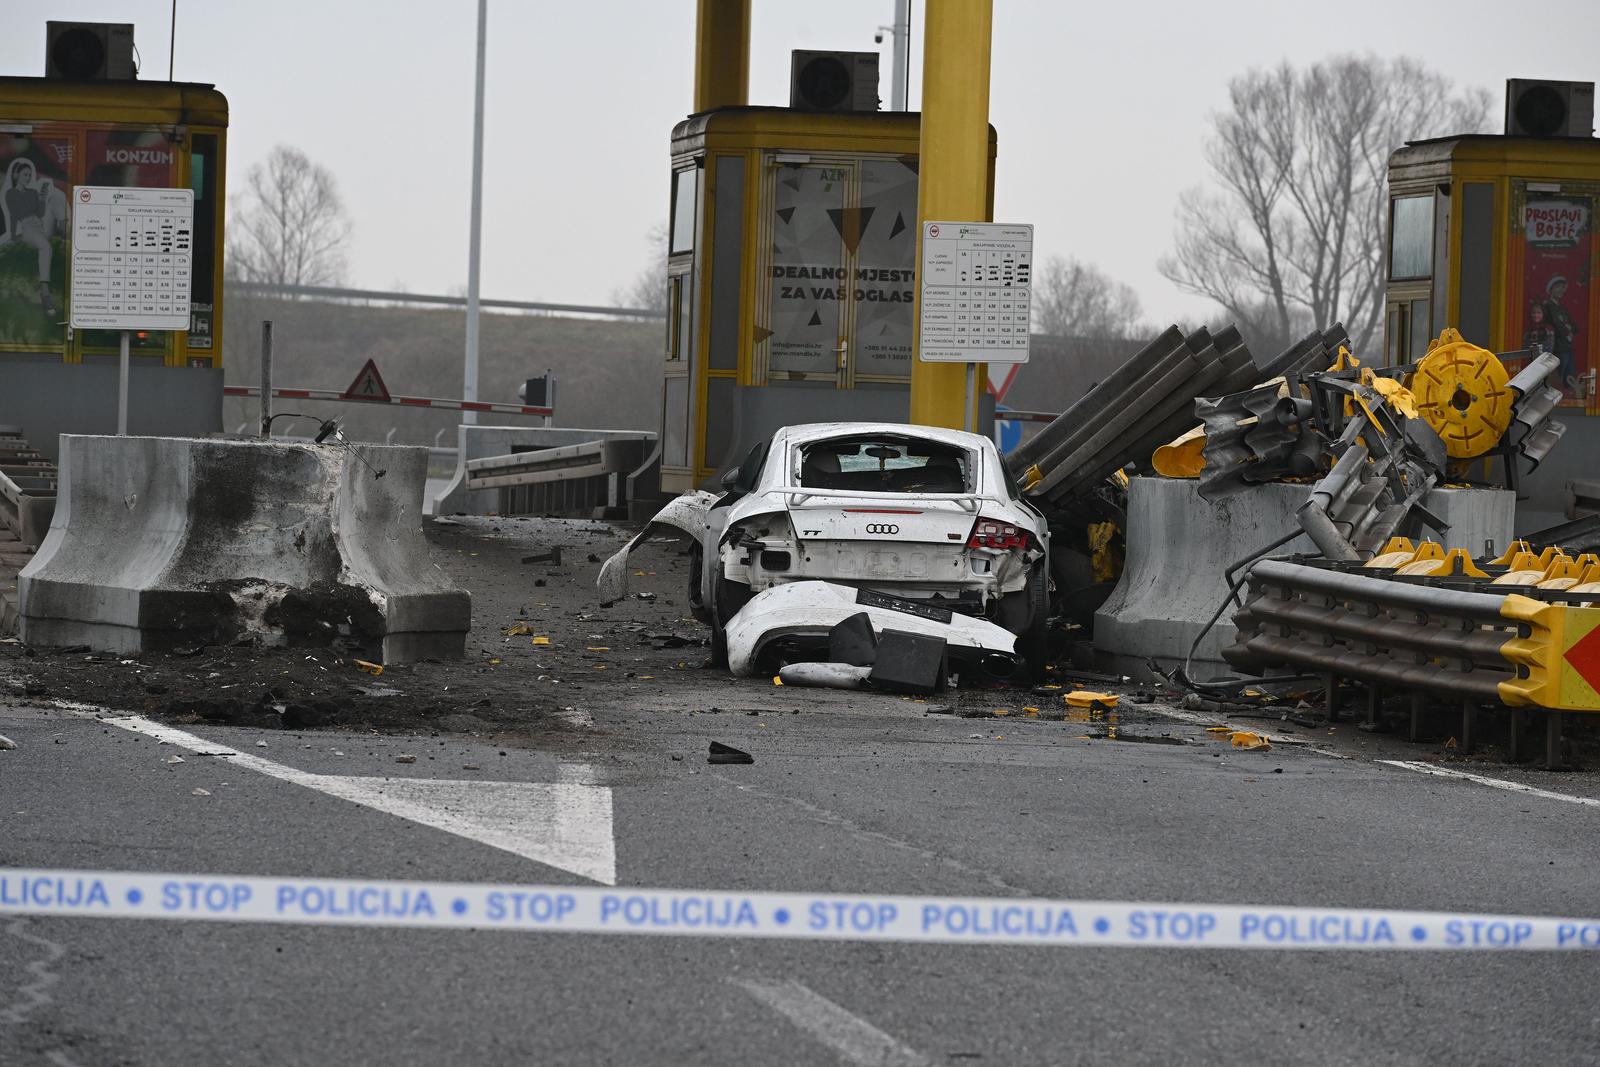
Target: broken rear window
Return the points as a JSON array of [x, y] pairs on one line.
[[885, 465]]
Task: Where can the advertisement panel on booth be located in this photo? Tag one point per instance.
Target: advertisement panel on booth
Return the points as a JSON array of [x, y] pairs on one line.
[[1558, 236]]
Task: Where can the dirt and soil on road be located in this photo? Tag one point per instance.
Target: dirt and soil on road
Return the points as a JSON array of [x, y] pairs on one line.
[[544, 659]]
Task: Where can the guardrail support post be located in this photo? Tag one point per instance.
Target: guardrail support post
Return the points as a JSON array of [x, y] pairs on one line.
[[1374, 705], [1552, 741], [1331, 682], [1468, 722], [266, 377], [1418, 701], [1514, 747]]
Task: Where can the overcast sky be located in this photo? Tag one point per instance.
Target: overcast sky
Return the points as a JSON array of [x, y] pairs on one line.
[[1101, 109]]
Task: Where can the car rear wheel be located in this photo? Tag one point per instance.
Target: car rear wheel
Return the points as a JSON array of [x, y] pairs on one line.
[[1026, 613], [728, 597]]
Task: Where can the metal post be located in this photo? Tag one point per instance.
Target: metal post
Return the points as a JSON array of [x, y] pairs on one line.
[[1514, 747], [1374, 705], [1417, 704], [1469, 717], [266, 377], [550, 395], [1331, 682], [901, 71], [122, 387], [1552, 740], [953, 168], [721, 54], [469, 378]]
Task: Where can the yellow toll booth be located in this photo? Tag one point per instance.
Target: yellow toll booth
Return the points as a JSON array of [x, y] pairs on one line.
[[791, 277], [1495, 236], [55, 134]]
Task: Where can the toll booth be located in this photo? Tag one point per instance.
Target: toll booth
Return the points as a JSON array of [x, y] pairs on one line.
[[55, 134], [791, 278], [1494, 235]]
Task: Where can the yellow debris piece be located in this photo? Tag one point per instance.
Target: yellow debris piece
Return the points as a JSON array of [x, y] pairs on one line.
[[598, 648], [495, 661], [1398, 396], [541, 640], [1002, 712], [517, 630], [1084, 698], [1247, 740], [1183, 457], [776, 680], [1219, 729], [369, 667], [1030, 713]]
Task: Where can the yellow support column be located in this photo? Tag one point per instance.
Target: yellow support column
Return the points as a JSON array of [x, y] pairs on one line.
[[721, 54], [953, 172]]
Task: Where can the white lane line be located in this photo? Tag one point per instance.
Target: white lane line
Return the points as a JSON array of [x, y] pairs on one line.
[[854, 1039], [1493, 783], [566, 825]]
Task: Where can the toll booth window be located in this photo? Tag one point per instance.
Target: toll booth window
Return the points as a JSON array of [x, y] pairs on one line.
[[885, 272], [809, 279], [685, 191], [1411, 237]]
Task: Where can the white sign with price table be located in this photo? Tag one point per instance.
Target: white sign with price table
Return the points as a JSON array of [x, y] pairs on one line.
[[977, 286], [132, 258]]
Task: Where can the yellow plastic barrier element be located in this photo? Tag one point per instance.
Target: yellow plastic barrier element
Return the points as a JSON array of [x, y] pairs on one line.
[[1032, 477], [1560, 655], [1083, 698], [1561, 574], [1183, 457], [1506, 558], [1247, 740], [1456, 563], [1462, 391], [1527, 569]]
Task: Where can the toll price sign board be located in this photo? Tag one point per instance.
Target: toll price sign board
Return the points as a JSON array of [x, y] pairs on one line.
[[977, 286], [132, 257]]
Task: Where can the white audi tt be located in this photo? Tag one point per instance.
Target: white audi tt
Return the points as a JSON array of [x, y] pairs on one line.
[[918, 513]]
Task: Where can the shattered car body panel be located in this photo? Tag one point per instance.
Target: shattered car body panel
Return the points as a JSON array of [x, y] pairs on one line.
[[803, 613], [687, 514]]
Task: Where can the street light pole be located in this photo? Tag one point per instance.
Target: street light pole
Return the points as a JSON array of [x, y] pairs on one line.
[[469, 383]]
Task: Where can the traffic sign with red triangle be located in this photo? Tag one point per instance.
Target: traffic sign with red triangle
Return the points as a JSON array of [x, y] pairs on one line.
[[368, 385]]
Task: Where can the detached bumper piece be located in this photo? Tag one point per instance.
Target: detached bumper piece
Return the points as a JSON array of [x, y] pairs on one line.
[[901, 648]]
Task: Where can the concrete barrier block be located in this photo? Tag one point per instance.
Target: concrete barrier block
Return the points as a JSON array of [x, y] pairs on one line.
[[1179, 547], [160, 542]]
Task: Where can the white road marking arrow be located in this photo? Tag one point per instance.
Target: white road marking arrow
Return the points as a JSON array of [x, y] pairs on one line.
[[566, 825]]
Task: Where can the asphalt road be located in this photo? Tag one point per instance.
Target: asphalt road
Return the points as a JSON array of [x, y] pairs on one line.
[[847, 793]]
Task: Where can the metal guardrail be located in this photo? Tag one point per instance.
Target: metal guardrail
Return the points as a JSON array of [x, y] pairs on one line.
[[403, 401], [566, 480], [27, 491], [325, 292], [1518, 631]]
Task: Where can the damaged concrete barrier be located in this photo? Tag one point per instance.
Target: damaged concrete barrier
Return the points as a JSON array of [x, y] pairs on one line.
[[161, 542], [1180, 546]]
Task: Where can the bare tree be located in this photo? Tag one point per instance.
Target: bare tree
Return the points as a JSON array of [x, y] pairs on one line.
[[1292, 234], [290, 226], [648, 289], [1073, 299]]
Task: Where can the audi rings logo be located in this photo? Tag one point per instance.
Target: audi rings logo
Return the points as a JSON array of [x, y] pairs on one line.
[[882, 528]]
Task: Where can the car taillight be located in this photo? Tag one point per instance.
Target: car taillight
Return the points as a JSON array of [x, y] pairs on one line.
[[992, 533]]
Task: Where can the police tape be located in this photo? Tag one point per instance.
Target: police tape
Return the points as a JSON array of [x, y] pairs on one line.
[[803, 916]]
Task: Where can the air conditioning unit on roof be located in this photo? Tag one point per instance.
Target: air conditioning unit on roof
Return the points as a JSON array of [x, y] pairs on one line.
[[89, 51], [1549, 109]]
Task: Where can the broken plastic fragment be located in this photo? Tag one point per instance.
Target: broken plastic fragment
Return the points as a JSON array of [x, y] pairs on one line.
[[541, 640], [1084, 698], [1247, 740], [517, 630], [720, 753], [369, 667]]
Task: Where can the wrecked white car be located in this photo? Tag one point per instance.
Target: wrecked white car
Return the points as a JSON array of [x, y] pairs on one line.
[[915, 512]]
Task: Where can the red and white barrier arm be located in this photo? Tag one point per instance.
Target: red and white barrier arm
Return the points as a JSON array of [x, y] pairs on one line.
[[405, 401]]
